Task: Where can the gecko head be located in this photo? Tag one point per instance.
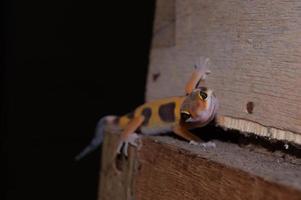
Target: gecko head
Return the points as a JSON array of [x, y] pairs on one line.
[[200, 106]]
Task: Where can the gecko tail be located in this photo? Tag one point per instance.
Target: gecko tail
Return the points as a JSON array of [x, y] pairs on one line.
[[98, 137]]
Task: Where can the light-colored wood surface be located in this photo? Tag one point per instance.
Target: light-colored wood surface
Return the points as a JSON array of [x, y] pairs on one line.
[[164, 26], [255, 52], [166, 168], [116, 176]]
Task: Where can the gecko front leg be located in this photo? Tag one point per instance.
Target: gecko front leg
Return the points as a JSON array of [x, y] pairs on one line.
[[186, 134], [123, 146], [193, 139], [199, 74]]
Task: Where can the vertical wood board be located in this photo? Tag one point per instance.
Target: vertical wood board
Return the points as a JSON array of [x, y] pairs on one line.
[[255, 52]]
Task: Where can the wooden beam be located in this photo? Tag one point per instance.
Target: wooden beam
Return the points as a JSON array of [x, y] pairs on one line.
[[254, 47], [166, 168]]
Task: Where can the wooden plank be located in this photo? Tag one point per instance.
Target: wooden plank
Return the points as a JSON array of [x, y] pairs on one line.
[[164, 26], [166, 168], [116, 175], [255, 53]]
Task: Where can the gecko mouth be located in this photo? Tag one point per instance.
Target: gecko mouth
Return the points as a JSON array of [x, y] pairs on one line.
[[206, 116]]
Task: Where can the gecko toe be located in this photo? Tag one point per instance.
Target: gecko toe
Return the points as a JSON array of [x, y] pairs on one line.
[[208, 144], [203, 144], [132, 140]]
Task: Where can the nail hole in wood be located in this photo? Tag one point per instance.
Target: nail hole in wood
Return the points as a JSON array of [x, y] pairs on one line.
[[118, 162], [156, 76], [250, 107], [139, 167]]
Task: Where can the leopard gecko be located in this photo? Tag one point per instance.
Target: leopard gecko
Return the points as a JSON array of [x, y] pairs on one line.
[[175, 114]]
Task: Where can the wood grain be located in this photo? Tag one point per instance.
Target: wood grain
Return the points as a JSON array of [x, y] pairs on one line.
[[255, 52], [116, 176], [169, 172], [164, 24], [166, 168]]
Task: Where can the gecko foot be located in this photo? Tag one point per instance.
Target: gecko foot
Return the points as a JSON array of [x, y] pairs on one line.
[[124, 145], [203, 144], [208, 144]]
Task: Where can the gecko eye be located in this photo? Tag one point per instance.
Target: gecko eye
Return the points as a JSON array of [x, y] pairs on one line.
[[203, 95], [185, 115]]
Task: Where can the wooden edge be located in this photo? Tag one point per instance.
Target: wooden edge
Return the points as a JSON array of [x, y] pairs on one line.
[[167, 168], [247, 126]]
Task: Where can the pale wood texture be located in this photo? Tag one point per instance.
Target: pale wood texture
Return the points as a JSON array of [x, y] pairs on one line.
[[165, 168], [255, 52], [164, 26], [116, 175]]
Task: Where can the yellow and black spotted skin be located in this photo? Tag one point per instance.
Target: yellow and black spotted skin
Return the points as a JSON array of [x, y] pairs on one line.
[[159, 115], [163, 115]]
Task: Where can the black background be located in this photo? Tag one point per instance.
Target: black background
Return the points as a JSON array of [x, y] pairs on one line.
[[64, 64]]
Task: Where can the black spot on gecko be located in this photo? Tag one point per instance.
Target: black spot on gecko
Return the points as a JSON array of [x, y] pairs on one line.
[[146, 112], [167, 112]]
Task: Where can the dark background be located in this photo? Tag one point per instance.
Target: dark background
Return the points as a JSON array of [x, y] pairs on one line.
[[64, 64]]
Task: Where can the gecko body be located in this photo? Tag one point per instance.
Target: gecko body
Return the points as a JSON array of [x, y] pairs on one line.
[[174, 114], [159, 115]]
